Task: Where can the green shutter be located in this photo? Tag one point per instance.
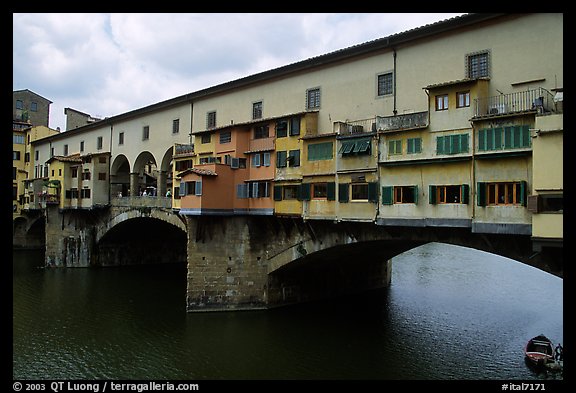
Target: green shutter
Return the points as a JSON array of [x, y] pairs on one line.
[[277, 193], [523, 192], [330, 191], [304, 192], [415, 194], [343, 192], [482, 139], [525, 131], [464, 143], [481, 194], [498, 138], [508, 137], [373, 191], [440, 145], [465, 191], [388, 195], [432, 195]]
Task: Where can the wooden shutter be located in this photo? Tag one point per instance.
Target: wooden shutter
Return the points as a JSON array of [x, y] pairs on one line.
[[343, 190], [388, 195], [481, 194], [304, 192], [373, 191], [432, 195], [465, 191], [277, 193], [331, 191]]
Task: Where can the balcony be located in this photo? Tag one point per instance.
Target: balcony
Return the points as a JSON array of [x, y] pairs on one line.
[[354, 127], [261, 144], [402, 122], [142, 201], [539, 101]]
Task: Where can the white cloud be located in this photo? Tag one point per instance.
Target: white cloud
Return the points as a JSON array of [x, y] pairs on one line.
[[107, 64]]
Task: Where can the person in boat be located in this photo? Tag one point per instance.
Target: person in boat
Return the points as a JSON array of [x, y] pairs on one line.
[[559, 353]]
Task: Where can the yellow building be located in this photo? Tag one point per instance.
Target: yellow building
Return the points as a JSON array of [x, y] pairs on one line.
[[546, 202], [23, 157]]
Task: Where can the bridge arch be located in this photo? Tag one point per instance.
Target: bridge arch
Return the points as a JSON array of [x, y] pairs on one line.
[[141, 236], [129, 214], [120, 176]]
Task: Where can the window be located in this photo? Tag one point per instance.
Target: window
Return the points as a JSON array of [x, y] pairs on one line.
[[81, 146], [211, 119], [290, 192], [293, 158], [281, 157], [510, 137], [414, 145], [34, 106], [281, 128], [394, 147], [295, 126], [102, 160], [19, 104], [36, 155], [448, 194], [385, 84], [442, 102], [320, 151], [477, 65], [175, 126], [66, 149], [205, 138], [319, 190], [145, 133], [261, 132], [452, 144], [86, 175], [399, 194], [101, 175], [190, 188], [313, 98], [359, 191], [120, 138], [225, 137], [257, 110], [99, 144], [15, 155], [85, 193], [74, 172], [253, 189], [462, 99], [18, 139], [260, 159], [502, 193]]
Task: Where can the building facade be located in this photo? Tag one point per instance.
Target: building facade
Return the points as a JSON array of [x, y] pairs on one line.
[[441, 125]]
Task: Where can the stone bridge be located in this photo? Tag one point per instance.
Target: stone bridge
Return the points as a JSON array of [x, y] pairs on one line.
[[254, 262]]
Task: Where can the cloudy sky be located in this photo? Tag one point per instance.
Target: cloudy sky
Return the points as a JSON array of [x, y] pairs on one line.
[[108, 64]]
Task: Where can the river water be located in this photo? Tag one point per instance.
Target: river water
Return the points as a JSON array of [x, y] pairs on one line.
[[450, 313]]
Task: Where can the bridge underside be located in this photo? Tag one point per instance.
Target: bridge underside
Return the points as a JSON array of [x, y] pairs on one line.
[[260, 262]]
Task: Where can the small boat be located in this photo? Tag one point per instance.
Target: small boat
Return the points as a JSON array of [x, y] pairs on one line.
[[539, 350]]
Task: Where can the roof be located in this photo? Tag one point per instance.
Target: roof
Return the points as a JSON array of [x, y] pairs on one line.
[[454, 82], [198, 171], [31, 92], [385, 43]]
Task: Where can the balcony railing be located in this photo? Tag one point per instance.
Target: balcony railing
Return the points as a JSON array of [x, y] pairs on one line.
[[538, 100], [261, 144], [402, 122], [355, 127], [142, 201]]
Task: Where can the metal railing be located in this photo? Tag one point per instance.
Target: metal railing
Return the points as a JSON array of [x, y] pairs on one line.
[[402, 122], [539, 100]]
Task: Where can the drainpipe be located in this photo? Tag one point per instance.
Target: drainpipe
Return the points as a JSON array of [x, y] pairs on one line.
[[394, 81]]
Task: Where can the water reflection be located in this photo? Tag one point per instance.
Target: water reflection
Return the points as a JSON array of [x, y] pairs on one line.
[[450, 313]]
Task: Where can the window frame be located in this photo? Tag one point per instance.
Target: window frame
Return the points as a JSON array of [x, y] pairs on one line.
[[210, 119], [313, 98], [257, 109], [466, 96], [441, 102], [385, 88]]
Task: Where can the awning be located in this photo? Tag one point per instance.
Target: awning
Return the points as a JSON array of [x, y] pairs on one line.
[[355, 146]]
